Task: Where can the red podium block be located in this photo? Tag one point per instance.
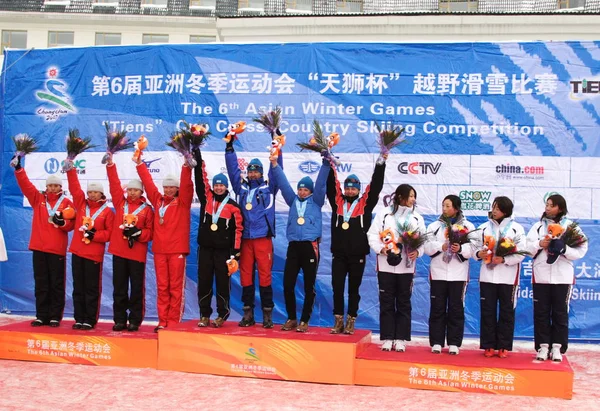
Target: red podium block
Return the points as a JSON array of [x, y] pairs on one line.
[[519, 374], [100, 346], [315, 356]]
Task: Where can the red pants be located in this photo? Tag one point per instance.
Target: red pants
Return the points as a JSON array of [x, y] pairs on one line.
[[170, 287], [259, 250]]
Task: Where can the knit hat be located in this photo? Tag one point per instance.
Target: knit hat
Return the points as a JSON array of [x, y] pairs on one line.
[[171, 180], [94, 186], [255, 165], [352, 181], [221, 179], [135, 184], [53, 180], [306, 182]]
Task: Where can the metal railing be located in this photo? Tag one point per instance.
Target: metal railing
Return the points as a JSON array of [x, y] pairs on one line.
[[235, 8]]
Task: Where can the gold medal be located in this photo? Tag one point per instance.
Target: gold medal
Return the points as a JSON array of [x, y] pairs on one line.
[[300, 220], [248, 206], [214, 227], [345, 225], [161, 220]]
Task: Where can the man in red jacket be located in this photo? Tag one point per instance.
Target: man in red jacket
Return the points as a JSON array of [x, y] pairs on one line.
[[87, 248], [171, 243], [48, 242], [129, 248]]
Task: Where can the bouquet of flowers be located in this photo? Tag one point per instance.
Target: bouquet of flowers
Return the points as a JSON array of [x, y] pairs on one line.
[[507, 246], [456, 234], [24, 144], [322, 144], [573, 236], [387, 139], [270, 120], [412, 240], [115, 141], [75, 146], [187, 139]]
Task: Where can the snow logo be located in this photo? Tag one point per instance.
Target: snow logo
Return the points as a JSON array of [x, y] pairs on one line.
[[56, 96]]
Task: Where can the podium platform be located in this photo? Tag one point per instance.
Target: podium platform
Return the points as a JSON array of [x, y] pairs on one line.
[[315, 356], [100, 346], [470, 371]]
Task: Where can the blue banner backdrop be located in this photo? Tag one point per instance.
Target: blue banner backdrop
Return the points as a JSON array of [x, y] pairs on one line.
[[481, 119]]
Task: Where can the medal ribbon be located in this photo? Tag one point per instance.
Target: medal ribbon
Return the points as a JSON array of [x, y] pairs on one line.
[[217, 214], [136, 212], [348, 211], [52, 211], [97, 213], [300, 207]]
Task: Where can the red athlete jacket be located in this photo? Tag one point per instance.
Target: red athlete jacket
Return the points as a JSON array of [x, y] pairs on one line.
[[45, 236], [173, 235], [118, 245], [103, 223]]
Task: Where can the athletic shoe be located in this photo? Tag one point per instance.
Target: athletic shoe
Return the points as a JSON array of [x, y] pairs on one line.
[[218, 323], [86, 326], [489, 352], [204, 322], [302, 327], [399, 345], [54, 323], [387, 345], [453, 350], [133, 327], [542, 354], [37, 323], [119, 327], [289, 325], [76, 326], [556, 355], [436, 349], [502, 353], [158, 328]]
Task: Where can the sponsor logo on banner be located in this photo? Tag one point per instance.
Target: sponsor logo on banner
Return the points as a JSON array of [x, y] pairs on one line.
[[584, 88], [419, 167], [388, 199], [148, 164], [52, 166], [476, 200], [243, 164], [311, 167], [252, 354], [54, 95], [513, 172]]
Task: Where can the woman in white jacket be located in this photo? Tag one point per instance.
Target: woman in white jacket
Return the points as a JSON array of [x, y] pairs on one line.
[[552, 283], [396, 280], [448, 279], [498, 281]]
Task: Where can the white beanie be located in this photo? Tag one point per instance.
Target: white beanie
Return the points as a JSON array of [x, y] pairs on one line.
[[94, 186], [135, 184], [53, 180], [171, 180]]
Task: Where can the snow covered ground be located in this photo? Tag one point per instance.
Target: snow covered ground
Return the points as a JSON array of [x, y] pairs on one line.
[[41, 386]]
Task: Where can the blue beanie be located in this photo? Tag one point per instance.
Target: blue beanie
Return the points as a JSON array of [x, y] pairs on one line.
[[352, 181], [255, 165], [306, 182], [221, 179]]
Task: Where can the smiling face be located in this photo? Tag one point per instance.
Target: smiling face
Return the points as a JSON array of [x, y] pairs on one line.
[[303, 192], [53, 188], [219, 189], [351, 191], [170, 191], [134, 194]]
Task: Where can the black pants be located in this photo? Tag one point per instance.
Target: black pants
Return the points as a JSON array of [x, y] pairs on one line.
[[212, 265], [497, 330], [266, 296], [300, 255], [395, 308], [551, 314], [354, 268], [126, 272], [447, 313], [87, 287], [49, 272]]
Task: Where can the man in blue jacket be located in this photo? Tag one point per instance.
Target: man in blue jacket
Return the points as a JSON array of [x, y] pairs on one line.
[[256, 197], [304, 229]]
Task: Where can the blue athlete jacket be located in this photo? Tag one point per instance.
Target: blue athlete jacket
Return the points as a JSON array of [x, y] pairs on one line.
[[312, 228], [259, 221]]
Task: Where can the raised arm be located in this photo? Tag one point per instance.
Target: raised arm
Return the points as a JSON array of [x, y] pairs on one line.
[[286, 189], [27, 188], [333, 189], [374, 188], [186, 186], [233, 170], [202, 184], [152, 192], [75, 187], [320, 184], [116, 191], [273, 186]]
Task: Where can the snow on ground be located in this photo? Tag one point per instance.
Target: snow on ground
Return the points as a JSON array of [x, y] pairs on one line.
[[41, 386]]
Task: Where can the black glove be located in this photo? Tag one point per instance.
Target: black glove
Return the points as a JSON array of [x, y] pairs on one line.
[[236, 254], [90, 234], [229, 146], [16, 162], [58, 219], [132, 232]]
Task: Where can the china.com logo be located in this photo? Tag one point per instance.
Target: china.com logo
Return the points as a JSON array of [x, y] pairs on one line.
[[508, 172], [584, 88], [54, 95]]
